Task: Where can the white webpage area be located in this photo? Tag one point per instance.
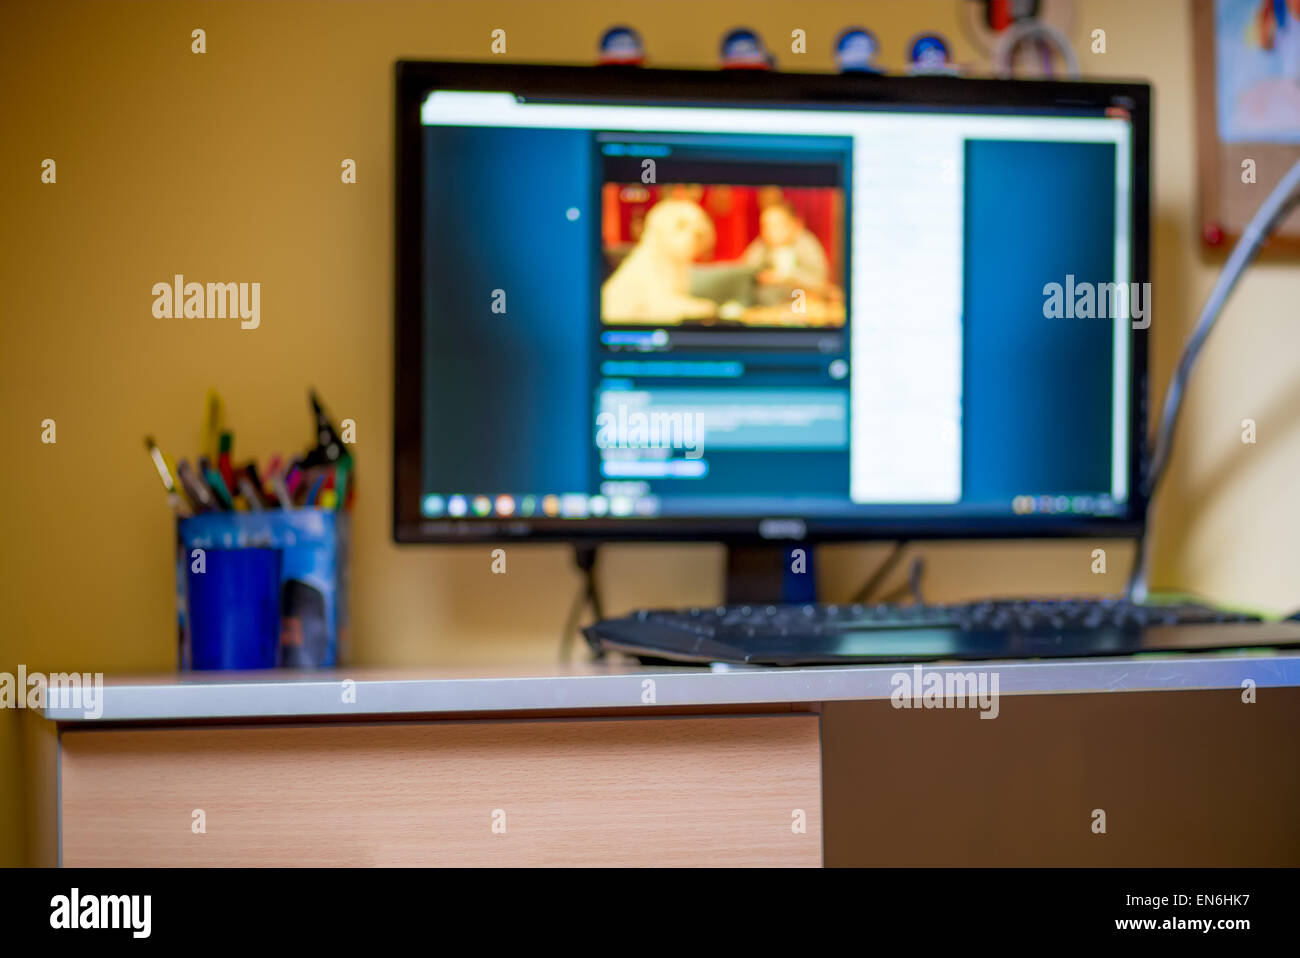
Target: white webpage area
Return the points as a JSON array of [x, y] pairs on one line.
[[905, 262]]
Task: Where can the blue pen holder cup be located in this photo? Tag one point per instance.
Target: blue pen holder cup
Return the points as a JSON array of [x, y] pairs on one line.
[[234, 606], [257, 590]]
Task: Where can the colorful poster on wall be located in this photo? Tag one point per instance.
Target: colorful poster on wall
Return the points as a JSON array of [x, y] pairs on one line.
[[1257, 61]]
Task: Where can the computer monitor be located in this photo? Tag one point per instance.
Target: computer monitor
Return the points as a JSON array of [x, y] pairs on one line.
[[743, 306]]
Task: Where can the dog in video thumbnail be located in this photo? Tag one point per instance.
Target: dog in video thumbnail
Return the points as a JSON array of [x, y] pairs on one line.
[[652, 285], [723, 255]]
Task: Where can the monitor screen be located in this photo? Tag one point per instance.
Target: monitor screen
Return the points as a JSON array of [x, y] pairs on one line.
[[765, 306]]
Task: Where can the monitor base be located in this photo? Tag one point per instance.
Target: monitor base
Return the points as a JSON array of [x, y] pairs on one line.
[[770, 574]]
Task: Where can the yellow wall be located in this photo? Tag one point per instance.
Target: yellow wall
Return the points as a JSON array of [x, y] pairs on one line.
[[226, 165]]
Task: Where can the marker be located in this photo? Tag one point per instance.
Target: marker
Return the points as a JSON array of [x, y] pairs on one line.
[[249, 472], [165, 474], [180, 486], [282, 492], [224, 466], [249, 493], [307, 478], [218, 485], [196, 489], [293, 479], [316, 487], [341, 484]]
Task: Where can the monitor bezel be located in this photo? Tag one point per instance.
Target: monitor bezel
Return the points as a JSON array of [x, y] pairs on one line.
[[415, 79]]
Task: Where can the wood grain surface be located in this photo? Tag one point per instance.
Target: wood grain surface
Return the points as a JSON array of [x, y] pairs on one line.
[[633, 792]]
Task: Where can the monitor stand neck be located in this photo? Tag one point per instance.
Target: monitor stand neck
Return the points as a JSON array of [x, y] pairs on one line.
[[770, 574]]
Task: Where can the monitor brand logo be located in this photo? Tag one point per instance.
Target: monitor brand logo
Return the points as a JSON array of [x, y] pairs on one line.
[[179, 299], [782, 529]]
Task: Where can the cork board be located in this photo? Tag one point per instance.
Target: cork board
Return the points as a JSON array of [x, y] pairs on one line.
[[1247, 67]]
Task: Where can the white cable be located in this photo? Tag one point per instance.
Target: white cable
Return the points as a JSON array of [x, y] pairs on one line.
[[1275, 208], [1010, 39]]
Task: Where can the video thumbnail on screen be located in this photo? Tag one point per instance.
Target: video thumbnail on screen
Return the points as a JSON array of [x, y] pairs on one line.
[[722, 254]]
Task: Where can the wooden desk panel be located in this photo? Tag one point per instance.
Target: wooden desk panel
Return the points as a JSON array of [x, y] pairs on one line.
[[635, 791]]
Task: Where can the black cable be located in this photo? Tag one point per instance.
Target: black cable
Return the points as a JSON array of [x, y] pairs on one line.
[[593, 593], [878, 577], [584, 557], [915, 575], [909, 589]]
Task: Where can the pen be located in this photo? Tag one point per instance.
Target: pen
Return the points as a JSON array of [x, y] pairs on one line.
[[223, 460], [293, 479], [249, 493], [344, 473], [317, 486], [218, 485], [196, 489], [250, 473], [165, 473], [282, 492]]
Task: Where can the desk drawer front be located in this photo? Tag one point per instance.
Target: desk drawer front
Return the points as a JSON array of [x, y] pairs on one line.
[[638, 791]]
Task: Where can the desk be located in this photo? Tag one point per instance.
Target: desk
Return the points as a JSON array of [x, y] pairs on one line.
[[595, 765]]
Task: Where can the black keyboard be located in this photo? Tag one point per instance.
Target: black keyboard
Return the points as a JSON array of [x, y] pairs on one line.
[[822, 634]]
